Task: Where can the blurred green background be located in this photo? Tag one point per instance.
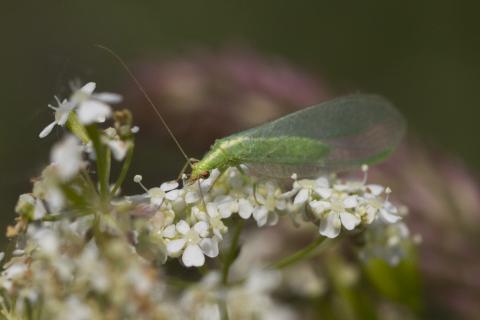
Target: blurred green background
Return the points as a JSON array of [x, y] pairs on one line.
[[423, 55]]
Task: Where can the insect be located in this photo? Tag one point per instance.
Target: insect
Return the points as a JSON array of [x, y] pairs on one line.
[[335, 135]]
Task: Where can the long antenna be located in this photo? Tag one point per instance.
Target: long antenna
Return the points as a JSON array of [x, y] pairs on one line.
[[147, 97]]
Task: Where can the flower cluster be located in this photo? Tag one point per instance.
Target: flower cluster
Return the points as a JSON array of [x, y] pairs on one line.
[[82, 247], [194, 217]]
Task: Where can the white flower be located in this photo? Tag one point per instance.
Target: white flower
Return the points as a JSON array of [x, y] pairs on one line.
[[337, 213], [388, 241], [92, 107], [226, 205], [268, 197], [374, 206], [62, 112], [194, 244], [66, 156], [305, 187], [167, 190], [215, 219], [389, 213]]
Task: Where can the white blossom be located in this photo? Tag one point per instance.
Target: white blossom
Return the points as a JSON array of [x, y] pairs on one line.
[[193, 243], [62, 112], [167, 190], [337, 212], [66, 157]]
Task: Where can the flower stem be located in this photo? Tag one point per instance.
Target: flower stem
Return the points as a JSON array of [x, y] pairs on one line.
[[299, 255], [124, 170], [77, 128], [232, 252], [103, 161]]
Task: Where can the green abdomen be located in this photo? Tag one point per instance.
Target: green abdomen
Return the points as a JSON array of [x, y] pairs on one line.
[[287, 151]]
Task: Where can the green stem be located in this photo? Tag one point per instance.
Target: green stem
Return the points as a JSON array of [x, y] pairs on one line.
[[77, 128], [103, 161], [232, 252], [124, 170], [299, 255]]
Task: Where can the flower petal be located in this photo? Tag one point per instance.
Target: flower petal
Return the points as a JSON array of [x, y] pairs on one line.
[[226, 206], [170, 185], [350, 202], [108, 97], [46, 131], [260, 214], [172, 195], [201, 228], [182, 227], [322, 182], [88, 88], [193, 256], [389, 216], [301, 196], [325, 193], [192, 197], [40, 210], [169, 231], [375, 189], [209, 247], [349, 221], [319, 206], [212, 210], [330, 226], [175, 246], [67, 157], [119, 149], [92, 111], [245, 208]]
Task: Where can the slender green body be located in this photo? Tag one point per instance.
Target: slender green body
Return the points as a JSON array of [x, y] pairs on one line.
[[332, 136], [229, 152]]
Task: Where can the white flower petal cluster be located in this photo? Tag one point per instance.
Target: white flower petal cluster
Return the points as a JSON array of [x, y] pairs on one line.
[[58, 270], [252, 299], [387, 241], [199, 211], [90, 107]]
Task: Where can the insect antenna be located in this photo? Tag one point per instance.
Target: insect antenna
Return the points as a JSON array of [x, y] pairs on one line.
[[149, 100]]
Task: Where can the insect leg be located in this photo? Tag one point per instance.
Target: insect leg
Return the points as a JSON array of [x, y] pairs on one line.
[[184, 168], [190, 162], [201, 196]]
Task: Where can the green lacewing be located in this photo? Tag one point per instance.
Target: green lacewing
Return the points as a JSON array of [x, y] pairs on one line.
[[333, 136]]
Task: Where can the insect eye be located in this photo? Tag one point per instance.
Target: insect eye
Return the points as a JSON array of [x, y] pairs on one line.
[[205, 175]]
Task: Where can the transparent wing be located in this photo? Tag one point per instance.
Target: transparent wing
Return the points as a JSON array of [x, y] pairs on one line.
[[357, 129]]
